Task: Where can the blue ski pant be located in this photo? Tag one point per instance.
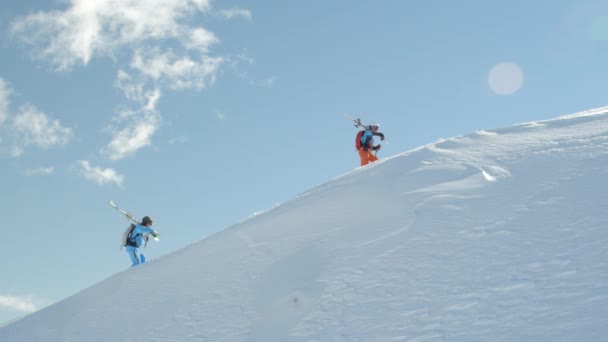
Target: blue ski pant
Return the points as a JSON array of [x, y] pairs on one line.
[[137, 257]]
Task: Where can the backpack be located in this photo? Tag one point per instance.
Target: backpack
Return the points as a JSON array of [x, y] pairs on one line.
[[358, 140], [126, 236]]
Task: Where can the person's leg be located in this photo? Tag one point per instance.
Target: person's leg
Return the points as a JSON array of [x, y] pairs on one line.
[[372, 157], [134, 254], [363, 155], [142, 257]]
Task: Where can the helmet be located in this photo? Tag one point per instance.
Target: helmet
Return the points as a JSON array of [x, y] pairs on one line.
[[146, 220], [375, 126]]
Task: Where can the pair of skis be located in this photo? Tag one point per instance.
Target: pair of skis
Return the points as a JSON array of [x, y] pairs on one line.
[[127, 215], [359, 124], [356, 122]]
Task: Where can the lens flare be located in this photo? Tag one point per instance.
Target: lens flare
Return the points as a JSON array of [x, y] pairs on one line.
[[505, 78]]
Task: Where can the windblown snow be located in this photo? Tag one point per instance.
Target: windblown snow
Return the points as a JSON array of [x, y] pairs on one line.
[[498, 235]]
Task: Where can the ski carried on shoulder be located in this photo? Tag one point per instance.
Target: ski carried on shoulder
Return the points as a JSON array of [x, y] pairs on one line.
[[359, 124], [127, 215], [356, 122]]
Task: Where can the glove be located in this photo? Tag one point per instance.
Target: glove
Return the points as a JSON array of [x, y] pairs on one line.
[[382, 137], [377, 147], [156, 236]]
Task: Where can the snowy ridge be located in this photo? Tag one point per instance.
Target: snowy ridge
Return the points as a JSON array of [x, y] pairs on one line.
[[498, 235]]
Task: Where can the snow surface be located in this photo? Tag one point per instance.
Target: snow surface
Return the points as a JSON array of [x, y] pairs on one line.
[[498, 235]]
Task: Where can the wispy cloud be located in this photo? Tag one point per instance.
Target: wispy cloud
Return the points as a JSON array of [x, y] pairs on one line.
[[136, 35], [235, 63], [24, 304], [235, 12], [264, 83], [29, 126], [220, 115], [135, 91], [40, 171], [131, 131], [176, 72], [199, 39], [33, 127], [99, 175], [178, 140], [5, 94], [102, 27], [15, 151]]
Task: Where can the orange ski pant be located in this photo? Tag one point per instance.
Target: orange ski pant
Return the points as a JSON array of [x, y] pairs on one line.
[[366, 156]]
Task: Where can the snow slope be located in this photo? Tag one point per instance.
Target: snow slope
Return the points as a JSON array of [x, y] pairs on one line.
[[498, 235]]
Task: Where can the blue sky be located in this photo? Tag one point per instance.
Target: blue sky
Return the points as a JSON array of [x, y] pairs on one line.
[[202, 113]]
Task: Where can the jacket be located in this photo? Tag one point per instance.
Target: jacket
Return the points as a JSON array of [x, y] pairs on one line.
[[367, 138]]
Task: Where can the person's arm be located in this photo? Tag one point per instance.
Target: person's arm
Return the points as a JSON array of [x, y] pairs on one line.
[[148, 230], [379, 135]]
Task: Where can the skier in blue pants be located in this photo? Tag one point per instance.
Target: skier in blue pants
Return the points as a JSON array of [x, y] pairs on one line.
[[136, 240]]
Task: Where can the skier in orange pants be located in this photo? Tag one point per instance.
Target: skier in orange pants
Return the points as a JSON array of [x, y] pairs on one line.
[[365, 143]]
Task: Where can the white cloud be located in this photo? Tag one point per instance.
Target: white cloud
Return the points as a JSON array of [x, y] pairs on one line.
[[23, 304], [28, 127], [132, 89], [134, 32], [133, 131], [99, 175], [101, 27], [5, 94], [179, 72], [152, 98], [33, 127], [199, 39], [40, 171], [235, 12]]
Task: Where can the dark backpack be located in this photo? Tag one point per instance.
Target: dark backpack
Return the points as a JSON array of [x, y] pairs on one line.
[[127, 239]]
